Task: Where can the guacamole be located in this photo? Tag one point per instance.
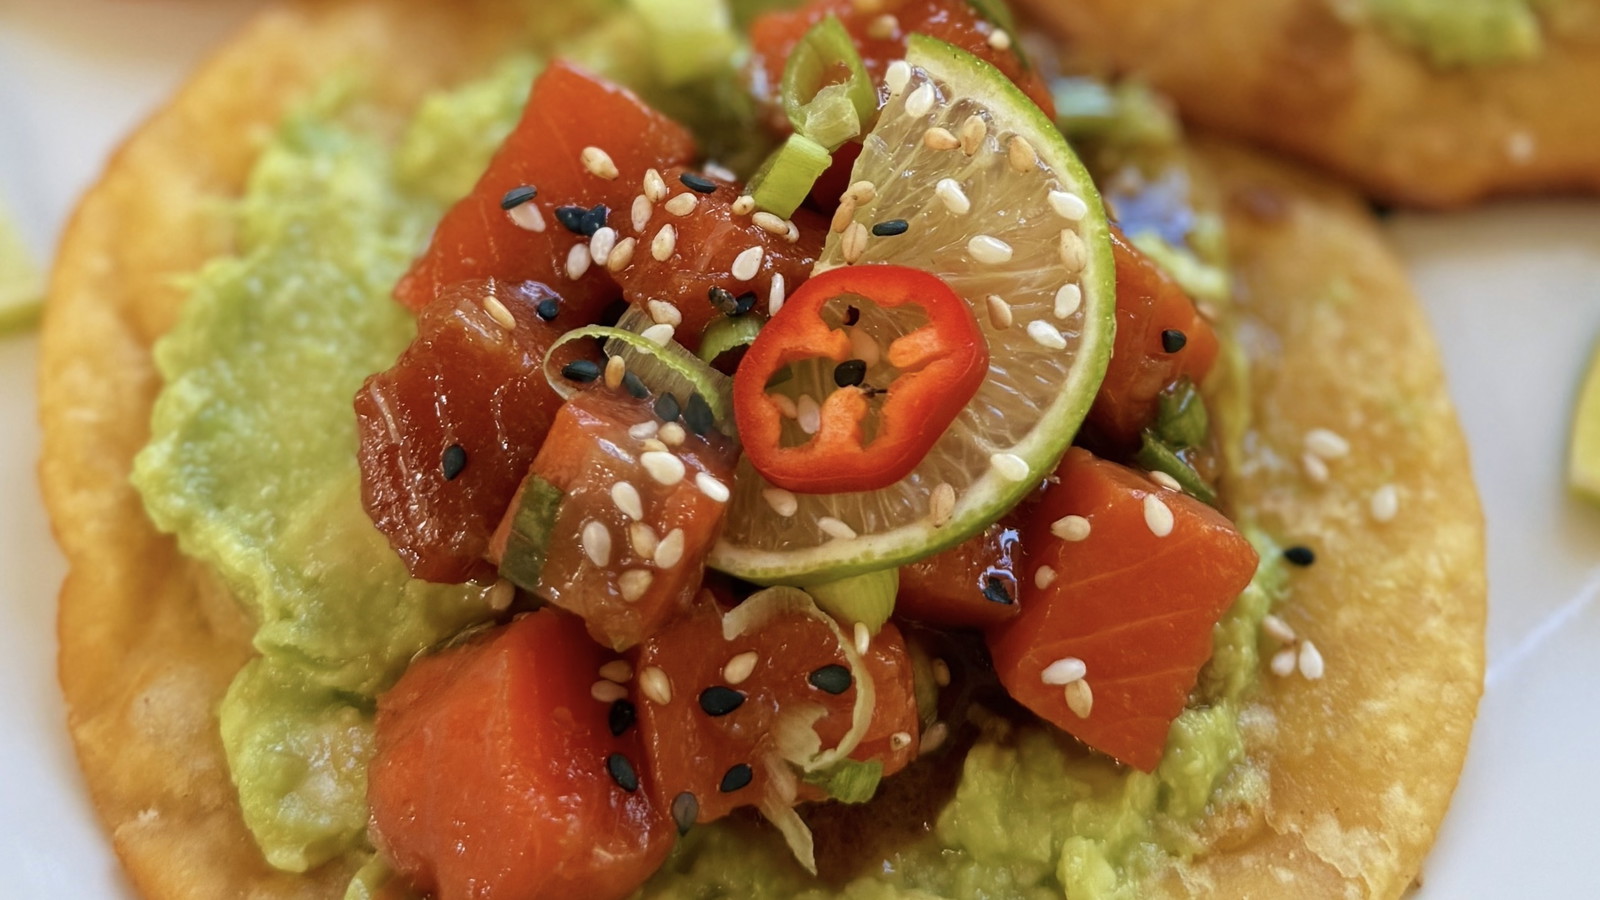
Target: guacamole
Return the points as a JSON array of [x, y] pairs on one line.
[[1463, 32], [251, 463]]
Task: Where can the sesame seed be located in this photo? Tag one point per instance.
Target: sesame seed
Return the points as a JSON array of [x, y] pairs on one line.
[[972, 133], [770, 223], [578, 261], [664, 313], [1009, 466], [1000, 39], [1157, 515], [634, 582], [682, 205], [920, 103], [673, 435], [891, 228], [601, 245], [1173, 340], [862, 192], [1311, 664], [697, 183], [1070, 528], [452, 462], [621, 717], [747, 265], [580, 370], [728, 303], [598, 163], [655, 685], [833, 679], [1315, 468], [685, 810], [655, 187], [836, 529], [1046, 335], [548, 309], [900, 740], [937, 138], [850, 373], [654, 445], [518, 196], [627, 499], [527, 217], [634, 385], [942, 504], [744, 205], [736, 778], [1326, 443], [607, 691], [711, 487], [1064, 671], [949, 192], [498, 312], [941, 673], [1068, 298], [1080, 698], [863, 638], [616, 370], [864, 348], [621, 255], [843, 215], [641, 212], [933, 738], [665, 241], [1166, 481], [1283, 662], [618, 670], [717, 701], [698, 416], [897, 76], [1074, 254], [1021, 155], [596, 540], [855, 242], [989, 250], [1043, 577], [740, 667], [666, 407], [501, 594], [999, 312], [775, 294], [1385, 503], [1277, 629], [782, 502], [1300, 556], [644, 430], [786, 406], [642, 538], [808, 413], [660, 335], [1068, 206], [994, 591], [663, 467]]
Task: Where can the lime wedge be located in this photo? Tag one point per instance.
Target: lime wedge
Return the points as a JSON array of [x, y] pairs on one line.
[[21, 286], [1583, 459], [995, 203]]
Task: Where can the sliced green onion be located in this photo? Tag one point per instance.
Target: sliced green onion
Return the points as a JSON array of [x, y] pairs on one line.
[[664, 368], [868, 599], [726, 335], [1155, 456], [370, 880], [849, 780], [784, 180], [1182, 421], [996, 12], [825, 69], [691, 38], [532, 526]]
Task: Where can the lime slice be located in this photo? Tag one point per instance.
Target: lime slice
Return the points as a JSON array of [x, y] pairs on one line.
[[21, 287], [1583, 460], [1016, 220]]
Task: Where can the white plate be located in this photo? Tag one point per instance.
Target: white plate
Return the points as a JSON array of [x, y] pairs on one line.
[[1513, 291]]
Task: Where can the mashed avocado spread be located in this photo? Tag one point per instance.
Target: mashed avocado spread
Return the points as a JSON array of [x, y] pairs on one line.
[[252, 464]]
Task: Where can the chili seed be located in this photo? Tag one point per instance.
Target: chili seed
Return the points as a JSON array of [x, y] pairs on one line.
[[548, 309], [834, 679], [667, 409], [698, 416], [621, 718], [697, 183], [571, 218], [635, 386], [685, 810], [518, 196], [453, 461], [719, 701], [736, 778], [850, 373], [622, 772], [1173, 340], [891, 228], [994, 590], [1300, 556], [582, 371]]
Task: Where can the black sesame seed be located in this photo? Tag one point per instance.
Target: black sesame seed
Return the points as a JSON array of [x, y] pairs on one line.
[[1173, 340], [571, 218], [548, 309], [737, 777], [622, 772], [1300, 556], [518, 196], [834, 679], [994, 590], [697, 183], [580, 370], [667, 409], [723, 299], [685, 810], [850, 373], [454, 460], [635, 386], [621, 718], [594, 220], [719, 701], [852, 315], [743, 303], [698, 416], [890, 228]]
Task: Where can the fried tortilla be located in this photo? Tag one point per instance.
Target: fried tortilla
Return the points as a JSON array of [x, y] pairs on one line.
[[1361, 762], [1309, 78]]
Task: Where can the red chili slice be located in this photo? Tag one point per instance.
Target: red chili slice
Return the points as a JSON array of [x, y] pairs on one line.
[[939, 368]]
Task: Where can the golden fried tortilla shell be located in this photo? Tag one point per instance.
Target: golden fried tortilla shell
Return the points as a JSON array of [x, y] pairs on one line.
[[1298, 76]]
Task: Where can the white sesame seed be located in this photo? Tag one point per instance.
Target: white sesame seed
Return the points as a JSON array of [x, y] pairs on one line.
[[664, 243], [578, 261], [897, 76], [1311, 665], [1021, 155], [598, 163], [634, 582], [1326, 443], [1157, 515], [664, 313], [900, 740], [1046, 335], [989, 250], [1283, 662], [712, 487], [999, 312], [498, 312], [641, 212], [653, 445], [862, 192], [501, 595], [1064, 671], [1068, 205], [683, 204], [843, 215], [1043, 577], [937, 138], [776, 294], [660, 335], [655, 685], [883, 27], [949, 192], [1315, 468], [770, 223], [597, 542], [933, 738], [663, 467], [655, 187], [863, 638], [607, 691], [920, 103], [673, 435], [642, 538], [618, 670], [669, 551], [973, 131], [740, 667], [1068, 298], [1009, 466], [941, 504], [1070, 528], [808, 413], [744, 205], [644, 430], [747, 265], [1166, 481], [782, 502], [836, 529], [786, 405], [1080, 698], [941, 672], [864, 347], [616, 368], [1000, 39], [527, 216], [1385, 503], [621, 255], [1074, 254], [855, 242], [627, 499], [719, 172], [601, 245], [1277, 629]]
